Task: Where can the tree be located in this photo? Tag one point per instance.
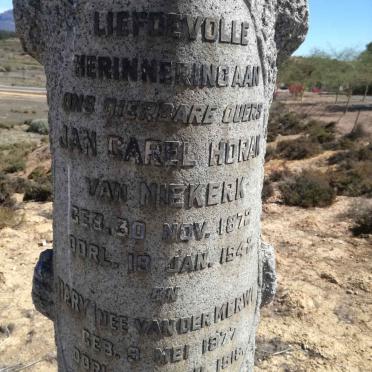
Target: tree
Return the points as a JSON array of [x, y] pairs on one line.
[[331, 71], [364, 67]]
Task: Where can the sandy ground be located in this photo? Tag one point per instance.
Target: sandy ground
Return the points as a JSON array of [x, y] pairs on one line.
[[320, 320], [15, 108], [25, 335]]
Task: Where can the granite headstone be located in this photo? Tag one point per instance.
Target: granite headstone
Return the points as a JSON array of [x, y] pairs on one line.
[[158, 118]]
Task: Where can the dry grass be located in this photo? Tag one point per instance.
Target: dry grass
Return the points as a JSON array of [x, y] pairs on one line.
[[17, 67], [12, 157], [9, 217]]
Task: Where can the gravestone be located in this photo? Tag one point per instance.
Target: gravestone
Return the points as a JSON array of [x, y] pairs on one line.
[[158, 117]]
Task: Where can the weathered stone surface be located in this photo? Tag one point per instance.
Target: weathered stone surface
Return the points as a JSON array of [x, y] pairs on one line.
[[268, 286], [158, 115]]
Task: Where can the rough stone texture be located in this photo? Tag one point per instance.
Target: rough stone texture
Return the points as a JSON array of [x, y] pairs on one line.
[[268, 287], [158, 172]]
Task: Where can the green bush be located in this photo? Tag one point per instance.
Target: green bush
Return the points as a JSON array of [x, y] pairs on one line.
[[301, 148], [309, 189], [39, 126]]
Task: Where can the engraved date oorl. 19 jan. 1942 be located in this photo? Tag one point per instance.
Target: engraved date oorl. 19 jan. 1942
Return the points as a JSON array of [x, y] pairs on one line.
[[91, 252]]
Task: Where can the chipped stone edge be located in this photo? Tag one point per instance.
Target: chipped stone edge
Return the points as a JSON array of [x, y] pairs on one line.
[[269, 277]]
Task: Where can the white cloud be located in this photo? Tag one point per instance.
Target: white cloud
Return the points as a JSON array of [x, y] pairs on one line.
[[5, 5]]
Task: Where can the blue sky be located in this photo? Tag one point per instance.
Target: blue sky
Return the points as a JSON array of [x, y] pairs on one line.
[[5, 5], [338, 24], [334, 24]]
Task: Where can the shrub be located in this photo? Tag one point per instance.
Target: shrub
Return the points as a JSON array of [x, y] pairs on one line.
[[351, 141], [6, 192], [37, 174], [279, 174], [309, 189], [353, 179], [290, 123], [347, 158], [39, 192], [353, 176], [284, 124], [17, 166], [267, 190], [12, 157], [270, 152], [18, 185], [357, 133], [7, 217], [343, 143], [362, 216], [321, 132], [6, 125], [45, 139], [301, 148], [365, 153], [39, 126]]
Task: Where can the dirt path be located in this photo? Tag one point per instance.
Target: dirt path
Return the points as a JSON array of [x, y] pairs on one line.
[[324, 108], [13, 91]]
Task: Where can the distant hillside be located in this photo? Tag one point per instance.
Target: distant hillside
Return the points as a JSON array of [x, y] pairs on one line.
[[7, 21]]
